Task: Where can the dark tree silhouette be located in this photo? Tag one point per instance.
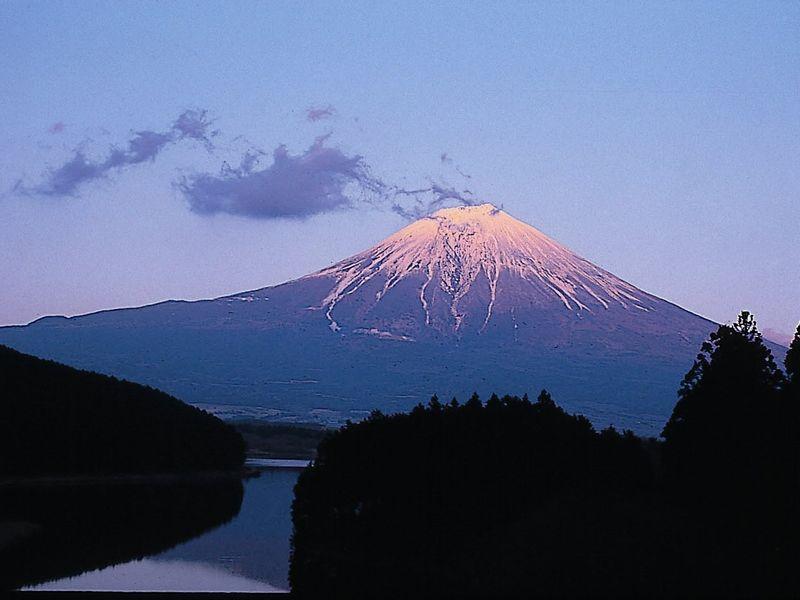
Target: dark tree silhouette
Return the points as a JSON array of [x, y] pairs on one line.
[[792, 362], [444, 500], [720, 430], [519, 498], [731, 456], [788, 436]]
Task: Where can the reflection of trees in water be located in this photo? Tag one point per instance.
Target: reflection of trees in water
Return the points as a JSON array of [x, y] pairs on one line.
[[76, 528]]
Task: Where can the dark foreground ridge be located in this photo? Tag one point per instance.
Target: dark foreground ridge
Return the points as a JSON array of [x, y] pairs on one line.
[[519, 498], [57, 420]]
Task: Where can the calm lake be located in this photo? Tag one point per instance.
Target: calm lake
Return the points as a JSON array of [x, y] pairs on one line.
[[231, 537]]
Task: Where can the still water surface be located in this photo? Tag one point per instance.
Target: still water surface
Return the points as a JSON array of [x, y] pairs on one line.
[[248, 553]]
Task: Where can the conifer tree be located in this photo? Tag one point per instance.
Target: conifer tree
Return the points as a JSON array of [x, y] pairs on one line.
[[792, 363], [732, 369], [545, 399], [474, 402], [721, 427], [789, 416]]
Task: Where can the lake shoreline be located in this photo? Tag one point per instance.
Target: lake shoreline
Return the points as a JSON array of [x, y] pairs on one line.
[[263, 463], [252, 468], [213, 533]]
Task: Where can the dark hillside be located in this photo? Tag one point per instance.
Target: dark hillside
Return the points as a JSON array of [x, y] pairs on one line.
[[57, 420]]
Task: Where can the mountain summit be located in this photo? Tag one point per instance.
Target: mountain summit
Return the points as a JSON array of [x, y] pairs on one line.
[[468, 269], [466, 299]]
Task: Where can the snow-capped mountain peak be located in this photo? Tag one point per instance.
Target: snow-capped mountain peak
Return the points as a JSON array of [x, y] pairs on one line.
[[471, 261]]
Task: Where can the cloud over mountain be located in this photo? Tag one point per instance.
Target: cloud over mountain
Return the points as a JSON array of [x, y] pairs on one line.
[[143, 146], [320, 179], [426, 200]]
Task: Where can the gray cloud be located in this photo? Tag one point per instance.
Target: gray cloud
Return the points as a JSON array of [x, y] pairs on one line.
[[318, 180], [319, 113], [143, 146], [426, 200], [415, 204], [321, 179], [195, 125]]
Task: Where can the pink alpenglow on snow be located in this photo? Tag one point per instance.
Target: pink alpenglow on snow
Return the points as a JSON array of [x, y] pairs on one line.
[[471, 262]]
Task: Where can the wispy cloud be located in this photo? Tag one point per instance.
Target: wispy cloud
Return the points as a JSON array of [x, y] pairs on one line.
[[320, 113], [68, 178], [415, 204], [319, 180], [274, 185]]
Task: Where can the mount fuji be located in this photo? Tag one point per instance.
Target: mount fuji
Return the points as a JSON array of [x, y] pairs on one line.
[[466, 299]]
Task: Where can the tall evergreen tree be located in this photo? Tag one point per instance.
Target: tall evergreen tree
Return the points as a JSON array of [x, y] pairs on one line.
[[789, 416], [545, 399], [474, 402], [720, 428], [792, 363]]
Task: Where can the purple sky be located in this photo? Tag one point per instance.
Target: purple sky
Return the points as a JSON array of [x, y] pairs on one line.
[[184, 150]]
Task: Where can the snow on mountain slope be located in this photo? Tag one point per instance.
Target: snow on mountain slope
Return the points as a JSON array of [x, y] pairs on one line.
[[455, 246], [477, 270]]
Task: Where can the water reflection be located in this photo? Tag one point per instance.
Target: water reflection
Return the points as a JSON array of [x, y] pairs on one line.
[[197, 535], [49, 532], [256, 543], [148, 575]]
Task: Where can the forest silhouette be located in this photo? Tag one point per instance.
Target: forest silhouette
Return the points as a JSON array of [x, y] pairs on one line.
[[517, 497], [57, 420]]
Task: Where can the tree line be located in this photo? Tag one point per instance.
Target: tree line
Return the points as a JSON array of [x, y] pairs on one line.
[[513, 496]]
